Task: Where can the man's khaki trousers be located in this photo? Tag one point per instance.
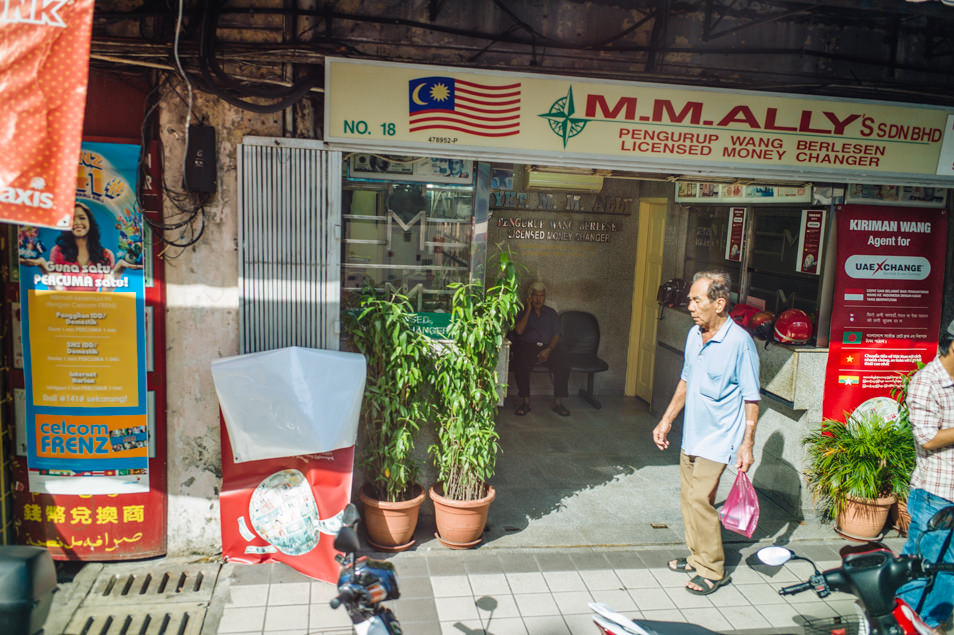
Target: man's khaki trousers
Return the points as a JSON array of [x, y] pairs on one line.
[[700, 480]]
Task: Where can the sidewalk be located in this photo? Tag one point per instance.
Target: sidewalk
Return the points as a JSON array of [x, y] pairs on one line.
[[542, 592], [587, 509]]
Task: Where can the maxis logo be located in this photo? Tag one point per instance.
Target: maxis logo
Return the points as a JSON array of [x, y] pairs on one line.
[[566, 122], [33, 197], [888, 267]]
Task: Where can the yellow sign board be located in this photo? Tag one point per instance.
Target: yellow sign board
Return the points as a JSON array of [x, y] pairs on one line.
[[626, 124]]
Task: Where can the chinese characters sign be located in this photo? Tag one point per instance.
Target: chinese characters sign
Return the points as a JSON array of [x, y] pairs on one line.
[[84, 336], [887, 304], [86, 525], [44, 64]]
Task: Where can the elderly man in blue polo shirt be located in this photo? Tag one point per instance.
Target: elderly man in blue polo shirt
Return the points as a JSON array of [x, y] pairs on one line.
[[719, 389]]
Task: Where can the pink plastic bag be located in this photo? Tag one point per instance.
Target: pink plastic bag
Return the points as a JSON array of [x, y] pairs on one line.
[[740, 513]]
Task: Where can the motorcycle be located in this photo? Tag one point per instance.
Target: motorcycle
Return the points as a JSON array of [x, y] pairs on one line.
[[363, 583], [871, 573]]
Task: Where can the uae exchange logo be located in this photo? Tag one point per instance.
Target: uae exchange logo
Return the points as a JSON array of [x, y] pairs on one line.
[[561, 119]]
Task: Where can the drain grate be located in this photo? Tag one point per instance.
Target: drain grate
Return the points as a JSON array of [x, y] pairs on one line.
[[159, 621], [146, 600], [168, 584]]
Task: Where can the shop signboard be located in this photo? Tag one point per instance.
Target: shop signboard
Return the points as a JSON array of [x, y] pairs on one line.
[[735, 236], [44, 65], [83, 336], [887, 305], [811, 237], [446, 111]]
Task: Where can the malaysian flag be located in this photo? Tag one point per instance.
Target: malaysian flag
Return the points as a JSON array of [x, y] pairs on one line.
[[445, 103]]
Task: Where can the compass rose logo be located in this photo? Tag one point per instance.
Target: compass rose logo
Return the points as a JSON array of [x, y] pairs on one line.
[[561, 119]]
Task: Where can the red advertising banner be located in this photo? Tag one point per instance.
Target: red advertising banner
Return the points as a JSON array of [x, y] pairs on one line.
[[44, 65], [286, 509], [810, 240], [887, 304], [733, 241]]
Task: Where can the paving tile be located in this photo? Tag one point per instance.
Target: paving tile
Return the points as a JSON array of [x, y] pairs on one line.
[[681, 597], [242, 619], [459, 608], [323, 592], [553, 625], [536, 604], [617, 599], [637, 579], [450, 586], [601, 580], [415, 587], [444, 564], [709, 618], [286, 617], [746, 575], [460, 627], [410, 565], [505, 626], [573, 602], [488, 583], [323, 616], [293, 631], [757, 594], [651, 599], [520, 563], [628, 559], [250, 573], [498, 605], [555, 562], [564, 581], [282, 573], [743, 617], [669, 578], [289, 593], [585, 560], [248, 595], [414, 609], [527, 582], [486, 564], [780, 615], [730, 595], [427, 627]]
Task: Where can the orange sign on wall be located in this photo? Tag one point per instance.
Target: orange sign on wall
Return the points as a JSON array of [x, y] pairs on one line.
[[44, 64]]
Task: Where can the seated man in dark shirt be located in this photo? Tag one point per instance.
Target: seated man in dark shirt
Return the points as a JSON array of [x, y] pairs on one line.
[[536, 338]]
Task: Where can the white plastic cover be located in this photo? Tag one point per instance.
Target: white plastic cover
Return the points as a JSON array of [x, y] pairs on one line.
[[289, 401]]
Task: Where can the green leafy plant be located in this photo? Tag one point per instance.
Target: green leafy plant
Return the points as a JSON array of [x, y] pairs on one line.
[[395, 400], [865, 457], [465, 384]]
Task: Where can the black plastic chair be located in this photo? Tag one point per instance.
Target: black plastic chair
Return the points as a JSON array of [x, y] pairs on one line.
[[581, 343]]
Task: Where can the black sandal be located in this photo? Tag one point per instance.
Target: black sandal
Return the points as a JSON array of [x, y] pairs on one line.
[[681, 565], [522, 410], [561, 410], [707, 586]]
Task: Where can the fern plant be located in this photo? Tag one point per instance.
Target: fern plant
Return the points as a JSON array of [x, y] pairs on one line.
[[395, 397], [865, 457], [465, 384]]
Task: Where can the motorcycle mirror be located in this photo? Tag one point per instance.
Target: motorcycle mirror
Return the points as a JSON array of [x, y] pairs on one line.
[[774, 556], [943, 519], [347, 540], [350, 515]]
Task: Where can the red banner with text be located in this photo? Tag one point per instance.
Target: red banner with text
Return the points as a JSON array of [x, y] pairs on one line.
[[286, 509], [44, 65], [887, 304]]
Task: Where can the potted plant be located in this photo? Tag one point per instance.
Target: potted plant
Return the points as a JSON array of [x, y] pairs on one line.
[[465, 386], [858, 467], [393, 408]]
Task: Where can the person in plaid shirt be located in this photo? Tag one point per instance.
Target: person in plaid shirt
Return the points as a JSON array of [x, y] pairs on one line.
[[930, 403]]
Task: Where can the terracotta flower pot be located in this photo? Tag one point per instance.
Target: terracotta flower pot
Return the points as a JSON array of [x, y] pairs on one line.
[[899, 517], [864, 518], [391, 525], [460, 524]]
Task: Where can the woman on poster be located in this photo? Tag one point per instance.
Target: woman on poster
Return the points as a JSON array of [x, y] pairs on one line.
[[80, 251]]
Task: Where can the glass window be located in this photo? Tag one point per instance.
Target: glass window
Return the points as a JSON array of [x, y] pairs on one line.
[[415, 236]]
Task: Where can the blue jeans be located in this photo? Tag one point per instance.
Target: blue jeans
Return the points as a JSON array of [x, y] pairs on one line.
[[937, 605]]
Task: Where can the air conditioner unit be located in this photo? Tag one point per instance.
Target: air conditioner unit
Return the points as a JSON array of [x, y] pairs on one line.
[[576, 182]]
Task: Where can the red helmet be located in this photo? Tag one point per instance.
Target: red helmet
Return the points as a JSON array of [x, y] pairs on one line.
[[761, 324], [793, 326], [742, 314]]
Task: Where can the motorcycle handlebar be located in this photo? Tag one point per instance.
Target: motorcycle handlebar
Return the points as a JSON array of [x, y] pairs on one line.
[[795, 588], [348, 594]]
